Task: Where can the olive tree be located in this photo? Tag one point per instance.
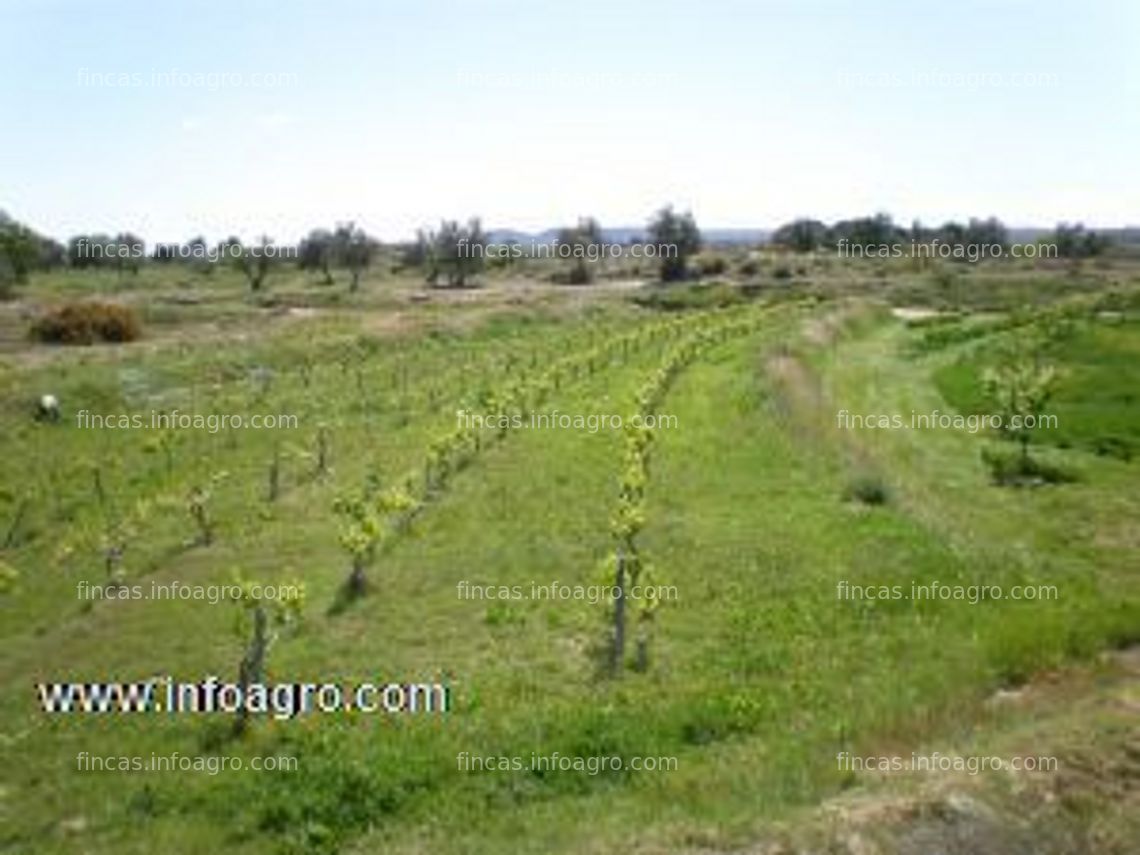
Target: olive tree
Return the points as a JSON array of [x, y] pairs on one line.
[[315, 253], [676, 238], [353, 250], [254, 261], [456, 252], [580, 242]]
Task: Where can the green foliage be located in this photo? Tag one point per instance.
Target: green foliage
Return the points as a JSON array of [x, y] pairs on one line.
[[123, 252], [9, 576], [626, 568], [19, 253], [676, 238], [258, 624], [118, 532], [255, 262], [284, 611], [316, 252], [1020, 385], [360, 533], [741, 510], [1022, 470], [456, 253], [711, 265], [354, 250], [943, 333], [869, 490], [198, 506], [580, 241], [343, 790], [164, 441], [867, 233], [15, 509], [687, 297], [1094, 390], [801, 235], [1074, 241]]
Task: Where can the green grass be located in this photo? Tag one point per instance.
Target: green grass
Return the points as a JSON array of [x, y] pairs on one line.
[[759, 674], [1096, 396]]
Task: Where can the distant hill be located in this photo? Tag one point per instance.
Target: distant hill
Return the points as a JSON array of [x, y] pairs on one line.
[[1128, 234], [628, 234], [738, 236], [1026, 234]]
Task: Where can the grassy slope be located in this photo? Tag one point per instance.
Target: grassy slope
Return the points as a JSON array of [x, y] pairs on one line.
[[1082, 716]]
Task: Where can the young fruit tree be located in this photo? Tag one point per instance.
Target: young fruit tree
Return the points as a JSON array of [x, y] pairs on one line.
[[260, 621], [198, 506], [1021, 386], [368, 520]]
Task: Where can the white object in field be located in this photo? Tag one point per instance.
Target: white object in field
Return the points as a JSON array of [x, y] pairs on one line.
[[48, 408]]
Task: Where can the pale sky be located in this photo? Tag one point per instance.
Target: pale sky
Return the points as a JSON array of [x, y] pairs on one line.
[[530, 114]]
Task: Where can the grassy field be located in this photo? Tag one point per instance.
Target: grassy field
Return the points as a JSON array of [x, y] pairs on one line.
[[758, 673]]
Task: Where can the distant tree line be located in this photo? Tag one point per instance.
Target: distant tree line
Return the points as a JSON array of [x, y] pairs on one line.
[[1074, 241], [807, 235], [454, 254], [24, 251]]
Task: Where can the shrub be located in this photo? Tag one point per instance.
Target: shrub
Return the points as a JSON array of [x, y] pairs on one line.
[[943, 279], [1120, 447], [711, 265], [749, 267], [1017, 470], [87, 323], [8, 577], [578, 274], [685, 297], [869, 490]]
